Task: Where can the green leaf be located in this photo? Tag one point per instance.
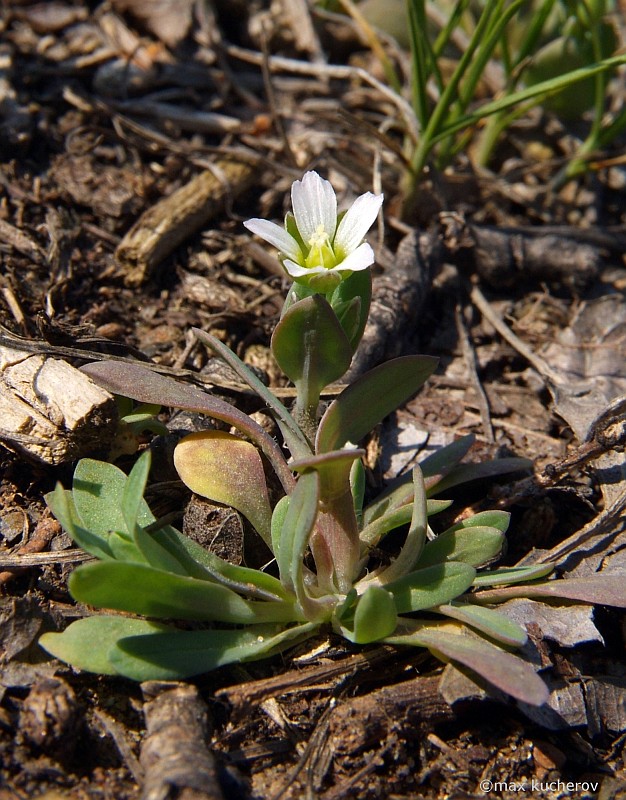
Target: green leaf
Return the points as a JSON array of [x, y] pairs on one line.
[[375, 616], [414, 543], [397, 497], [372, 534], [112, 507], [503, 670], [431, 586], [310, 345], [512, 575], [146, 386], [132, 503], [357, 487], [333, 469], [124, 549], [141, 589], [228, 470], [86, 643], [475, 546], [445, 458], [293, 436], [537, 92], [561, 55], [464, 473], [490, 519], [62, 506], [174, 656], [371, 398], [278, 522], [295, 531], [202, 564], [488, 621], [98, 489]]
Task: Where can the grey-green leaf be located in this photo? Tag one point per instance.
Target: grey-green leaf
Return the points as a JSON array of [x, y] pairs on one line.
[[488, 621], [86, 643], [174, 656], [431, 586], [503, 670], [371, 398], [476, 546], [62, 505], [141, 589]]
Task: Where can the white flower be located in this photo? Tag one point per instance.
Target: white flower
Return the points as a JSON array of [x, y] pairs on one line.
[[317, 247]]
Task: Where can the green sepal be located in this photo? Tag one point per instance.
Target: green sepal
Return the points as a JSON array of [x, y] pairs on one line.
[[351, 303], [310, 345]]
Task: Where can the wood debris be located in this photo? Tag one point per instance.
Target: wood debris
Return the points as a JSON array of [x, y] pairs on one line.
[[50, 411], [174, 754], [172, 220]]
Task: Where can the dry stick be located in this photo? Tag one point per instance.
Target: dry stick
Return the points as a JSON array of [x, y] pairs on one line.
[[120, 736], [481, 302], [271, 99], [469, 356], [279, 63], [605, 527], [17, 561], [28, 345], [174, 755], [609, 522], [311, 752], [168, 223], [298, 13], [243, 695]]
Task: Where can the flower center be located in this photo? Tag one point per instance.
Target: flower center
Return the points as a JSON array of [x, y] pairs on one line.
[[320, 250]]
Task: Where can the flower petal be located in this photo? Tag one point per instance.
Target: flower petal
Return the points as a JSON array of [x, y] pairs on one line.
[[314, 204], [357, 221], [361, 258], [275, 235]]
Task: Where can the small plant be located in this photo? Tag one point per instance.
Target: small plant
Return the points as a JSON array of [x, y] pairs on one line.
[[556, 53], [328, 572]]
